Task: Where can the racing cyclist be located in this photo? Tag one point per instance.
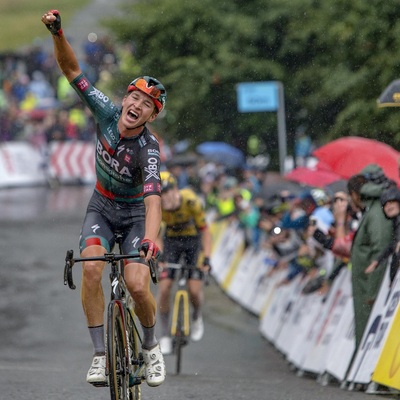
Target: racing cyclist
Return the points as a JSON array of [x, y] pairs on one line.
[[185, 233], [126, 200]]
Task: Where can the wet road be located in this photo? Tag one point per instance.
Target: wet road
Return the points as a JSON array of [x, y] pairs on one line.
[[45, 349]]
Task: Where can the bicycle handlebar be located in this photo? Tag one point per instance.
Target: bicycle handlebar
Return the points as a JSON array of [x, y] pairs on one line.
[[186, 268], [108, 258]]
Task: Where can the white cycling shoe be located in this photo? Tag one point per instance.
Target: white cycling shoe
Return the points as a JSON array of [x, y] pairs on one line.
[[155, 366], [97, 372], [166, 345], [197, 329]]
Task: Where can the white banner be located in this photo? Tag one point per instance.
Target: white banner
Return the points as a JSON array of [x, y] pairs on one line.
[[339, 356], [334, 304], [229, 249], [278, 308], [21, 164], [376, 331]]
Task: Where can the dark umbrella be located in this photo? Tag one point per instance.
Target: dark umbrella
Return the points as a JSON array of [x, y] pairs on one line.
[[222, 153], [390, 97]]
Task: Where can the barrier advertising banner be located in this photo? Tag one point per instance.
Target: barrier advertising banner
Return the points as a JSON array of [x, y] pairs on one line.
[[372, 341], [387, 370]]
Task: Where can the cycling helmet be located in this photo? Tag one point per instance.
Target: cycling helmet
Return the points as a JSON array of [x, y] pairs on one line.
[[168, 181], [320, 197], [152, 87]]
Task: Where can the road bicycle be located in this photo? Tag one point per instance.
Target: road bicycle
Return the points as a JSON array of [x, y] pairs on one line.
[[125, 367], [180, 321]]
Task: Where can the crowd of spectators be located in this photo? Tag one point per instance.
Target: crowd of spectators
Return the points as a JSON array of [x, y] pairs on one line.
[[37, 103], [313, 232]]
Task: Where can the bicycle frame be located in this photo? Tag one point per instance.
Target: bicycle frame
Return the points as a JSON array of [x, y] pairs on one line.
[[180, 324], [181, 294], [125, 365]]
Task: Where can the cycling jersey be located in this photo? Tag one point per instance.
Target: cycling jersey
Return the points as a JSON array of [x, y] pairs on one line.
[[188, 219], [182, 234], [127, 169]]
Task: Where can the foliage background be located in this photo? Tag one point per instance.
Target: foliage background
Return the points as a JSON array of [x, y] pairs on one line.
[[334, 59]]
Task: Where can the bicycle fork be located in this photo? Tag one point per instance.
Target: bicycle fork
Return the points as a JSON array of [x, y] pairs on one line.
[[181, 295]]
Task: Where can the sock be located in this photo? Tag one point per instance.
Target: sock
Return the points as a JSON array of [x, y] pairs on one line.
[[97, 335], [164, 321], [149, 337], [196, 313]]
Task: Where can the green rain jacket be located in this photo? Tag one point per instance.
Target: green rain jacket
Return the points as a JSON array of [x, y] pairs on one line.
[[373, 235]]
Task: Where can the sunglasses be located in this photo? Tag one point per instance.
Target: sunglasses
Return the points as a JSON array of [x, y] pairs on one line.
[[150, 90]]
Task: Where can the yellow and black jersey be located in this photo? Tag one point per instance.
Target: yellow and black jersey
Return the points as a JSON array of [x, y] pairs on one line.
[[188, 219]]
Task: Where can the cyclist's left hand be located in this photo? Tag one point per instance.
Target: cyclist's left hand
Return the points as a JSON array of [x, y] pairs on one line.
[[149, 249], [206, 266]]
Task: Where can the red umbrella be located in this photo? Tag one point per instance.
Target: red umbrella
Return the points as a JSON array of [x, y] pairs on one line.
[[347, 156], [312, 176]]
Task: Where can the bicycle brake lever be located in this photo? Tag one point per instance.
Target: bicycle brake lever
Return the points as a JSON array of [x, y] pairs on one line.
[[153, 271], [69, 262]]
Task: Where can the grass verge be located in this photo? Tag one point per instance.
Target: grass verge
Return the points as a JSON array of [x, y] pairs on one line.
[[20, 20]]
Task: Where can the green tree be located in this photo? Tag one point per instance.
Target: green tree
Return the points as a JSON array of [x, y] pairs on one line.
[[333, 58]]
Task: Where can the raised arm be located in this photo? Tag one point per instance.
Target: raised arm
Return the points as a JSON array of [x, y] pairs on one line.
[[63, 52]]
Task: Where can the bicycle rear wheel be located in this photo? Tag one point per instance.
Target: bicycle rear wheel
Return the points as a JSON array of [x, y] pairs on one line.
[[136, 358], [116, 353]]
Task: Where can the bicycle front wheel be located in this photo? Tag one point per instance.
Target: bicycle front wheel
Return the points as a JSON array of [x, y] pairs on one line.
[[136, 358], [179, 339], [117, 353]]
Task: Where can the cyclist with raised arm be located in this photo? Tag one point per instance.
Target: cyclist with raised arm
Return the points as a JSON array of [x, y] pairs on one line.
[[126, 200], [185, 234]]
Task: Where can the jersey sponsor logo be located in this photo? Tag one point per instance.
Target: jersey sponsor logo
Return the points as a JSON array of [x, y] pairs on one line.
[[158, 188], [112, 162], [95, 228], [148, 187], [99, 95], [111, 133], [82, 84], [153, 152], [152, 169], [135, 242], [120, 149]]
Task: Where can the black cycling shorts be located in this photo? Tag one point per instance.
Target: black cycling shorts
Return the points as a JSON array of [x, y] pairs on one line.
[[105, 218], [184, 249]]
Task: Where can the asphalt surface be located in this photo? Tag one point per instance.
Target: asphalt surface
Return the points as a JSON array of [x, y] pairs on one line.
[[45, 349]]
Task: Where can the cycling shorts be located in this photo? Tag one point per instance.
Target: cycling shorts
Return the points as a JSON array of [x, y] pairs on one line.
[[183, 248], [105, 218]]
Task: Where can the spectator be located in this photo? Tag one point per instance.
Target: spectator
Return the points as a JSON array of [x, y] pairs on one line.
[[390, 201], [373, 235]]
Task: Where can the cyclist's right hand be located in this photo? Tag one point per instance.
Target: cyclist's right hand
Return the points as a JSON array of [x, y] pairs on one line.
[[149, 249], [52, 20], [206, 266]]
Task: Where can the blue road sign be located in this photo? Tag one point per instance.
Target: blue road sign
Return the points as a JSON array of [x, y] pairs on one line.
[[257, 96]]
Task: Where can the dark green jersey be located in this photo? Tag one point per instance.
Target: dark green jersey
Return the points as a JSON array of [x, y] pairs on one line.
[[127, 169]]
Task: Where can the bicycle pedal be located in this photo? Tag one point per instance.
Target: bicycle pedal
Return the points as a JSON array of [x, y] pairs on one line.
[[135, 380]]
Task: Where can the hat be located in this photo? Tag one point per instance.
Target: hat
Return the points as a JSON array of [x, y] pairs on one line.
[[391, 194]]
